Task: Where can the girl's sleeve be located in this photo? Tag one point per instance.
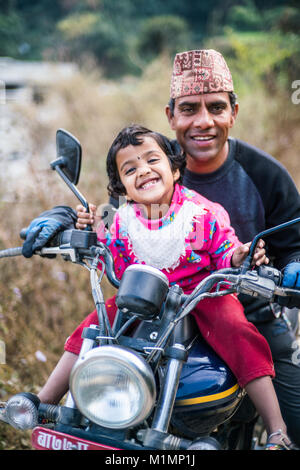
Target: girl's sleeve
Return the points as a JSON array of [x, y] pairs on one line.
[[222, 240], [117, 245]]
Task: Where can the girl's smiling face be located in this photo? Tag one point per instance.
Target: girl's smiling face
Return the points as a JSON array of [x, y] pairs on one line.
[[146, 174]]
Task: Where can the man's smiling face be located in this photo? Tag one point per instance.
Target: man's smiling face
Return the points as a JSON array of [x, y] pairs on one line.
[[202, 124]]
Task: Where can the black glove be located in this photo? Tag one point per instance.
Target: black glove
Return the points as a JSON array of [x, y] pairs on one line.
[[291, 279], [44, 227]]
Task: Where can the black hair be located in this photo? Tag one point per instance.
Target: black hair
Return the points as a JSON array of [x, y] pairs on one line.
[[133, 135], [232, 99]]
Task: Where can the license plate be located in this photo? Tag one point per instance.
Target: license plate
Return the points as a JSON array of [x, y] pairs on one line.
[[48, 439]]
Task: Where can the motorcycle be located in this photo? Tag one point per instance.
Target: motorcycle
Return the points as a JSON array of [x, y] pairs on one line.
[[148, 381]]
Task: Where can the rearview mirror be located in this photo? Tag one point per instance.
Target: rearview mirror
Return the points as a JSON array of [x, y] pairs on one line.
[[68, 162], [68, 151]]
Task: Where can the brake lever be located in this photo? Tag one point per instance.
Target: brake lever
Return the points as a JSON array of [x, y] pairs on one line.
[[252, 284], [286, 292], [67, 252]]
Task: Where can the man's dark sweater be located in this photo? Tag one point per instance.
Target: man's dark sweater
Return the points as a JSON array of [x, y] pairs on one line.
[[258, 193]]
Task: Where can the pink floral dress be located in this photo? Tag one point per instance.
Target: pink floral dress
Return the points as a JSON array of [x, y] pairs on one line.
[[192, 239]]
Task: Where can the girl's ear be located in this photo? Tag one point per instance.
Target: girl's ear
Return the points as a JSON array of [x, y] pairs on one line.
[[176, 175]]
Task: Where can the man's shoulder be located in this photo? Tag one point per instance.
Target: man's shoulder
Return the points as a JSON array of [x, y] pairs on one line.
[[249, 155]]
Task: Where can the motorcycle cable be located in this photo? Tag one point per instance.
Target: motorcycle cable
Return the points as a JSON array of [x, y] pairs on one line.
[[105, 331]]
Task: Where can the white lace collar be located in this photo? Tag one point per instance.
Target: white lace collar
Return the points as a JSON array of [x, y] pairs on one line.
[[163, 247]]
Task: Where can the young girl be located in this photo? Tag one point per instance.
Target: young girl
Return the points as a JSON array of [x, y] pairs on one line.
[[167, 226]]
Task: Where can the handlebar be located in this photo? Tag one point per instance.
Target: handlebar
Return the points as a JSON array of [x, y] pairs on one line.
[[11, 252], [77, 245], [73, 245]]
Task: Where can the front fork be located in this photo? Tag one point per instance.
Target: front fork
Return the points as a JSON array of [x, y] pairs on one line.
[[87, 345], [157, 436]]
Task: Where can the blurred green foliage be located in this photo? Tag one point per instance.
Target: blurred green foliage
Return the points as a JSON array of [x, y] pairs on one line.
[[264, 57], [122, 36], [164, 33]]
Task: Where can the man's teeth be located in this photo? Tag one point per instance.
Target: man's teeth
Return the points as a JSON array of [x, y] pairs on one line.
[[202, 138]]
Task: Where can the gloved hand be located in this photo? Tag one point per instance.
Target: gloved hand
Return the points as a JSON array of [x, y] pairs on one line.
[[44, 227], [291, 279], [291, 275]]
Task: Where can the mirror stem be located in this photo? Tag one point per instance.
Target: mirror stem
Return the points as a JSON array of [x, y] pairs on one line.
[[265, 233], [55, 166]]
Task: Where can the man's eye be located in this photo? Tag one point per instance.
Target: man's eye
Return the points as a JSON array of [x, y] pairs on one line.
[[218, 108], [187, 109]]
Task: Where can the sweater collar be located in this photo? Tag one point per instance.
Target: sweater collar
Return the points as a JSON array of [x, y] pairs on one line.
[[213, 176]]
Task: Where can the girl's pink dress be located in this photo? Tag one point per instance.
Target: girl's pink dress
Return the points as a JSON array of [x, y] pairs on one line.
[[193, 239]]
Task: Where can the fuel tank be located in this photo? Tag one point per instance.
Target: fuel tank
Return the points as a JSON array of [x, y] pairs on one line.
[[208, 392]]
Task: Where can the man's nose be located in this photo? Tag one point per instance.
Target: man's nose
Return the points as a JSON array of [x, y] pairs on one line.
[[203, 119]]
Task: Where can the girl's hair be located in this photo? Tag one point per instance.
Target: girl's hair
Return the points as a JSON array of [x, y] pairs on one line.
[[134, 135]]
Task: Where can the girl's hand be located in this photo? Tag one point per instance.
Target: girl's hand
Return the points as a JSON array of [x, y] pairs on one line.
[[241, 253], [84, 218]]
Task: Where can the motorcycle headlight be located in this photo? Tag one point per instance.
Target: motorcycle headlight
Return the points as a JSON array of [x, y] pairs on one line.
[[113, 387], [21, 411]]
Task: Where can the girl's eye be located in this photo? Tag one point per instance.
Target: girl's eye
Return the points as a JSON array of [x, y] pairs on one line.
[[153, 160], [129, 171]]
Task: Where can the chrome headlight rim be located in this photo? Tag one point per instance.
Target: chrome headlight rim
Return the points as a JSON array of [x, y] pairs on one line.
[[21, 411], [137, 368]]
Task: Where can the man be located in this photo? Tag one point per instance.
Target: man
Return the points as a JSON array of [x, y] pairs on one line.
[[256, 191]]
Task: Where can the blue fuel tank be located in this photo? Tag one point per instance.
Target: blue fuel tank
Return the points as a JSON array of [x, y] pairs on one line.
[[208, 392]]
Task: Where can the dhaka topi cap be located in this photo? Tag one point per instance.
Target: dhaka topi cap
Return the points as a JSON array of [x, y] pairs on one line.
[[200, 71]]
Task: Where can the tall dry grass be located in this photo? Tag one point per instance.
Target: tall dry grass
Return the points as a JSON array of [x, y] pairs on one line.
[[41, 300]]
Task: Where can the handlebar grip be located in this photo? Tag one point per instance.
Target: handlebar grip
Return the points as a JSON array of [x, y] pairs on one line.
[[11, 252], [288, 292]]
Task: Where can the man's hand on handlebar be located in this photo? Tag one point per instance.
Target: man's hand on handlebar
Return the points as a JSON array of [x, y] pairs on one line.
[[241, 253], [42, 229], [291, 279]]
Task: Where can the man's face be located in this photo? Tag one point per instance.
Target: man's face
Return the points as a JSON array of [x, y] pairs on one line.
[[202, 124]]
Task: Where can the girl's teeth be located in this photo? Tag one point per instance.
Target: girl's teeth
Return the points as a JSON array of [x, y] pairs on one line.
[[147, 185]]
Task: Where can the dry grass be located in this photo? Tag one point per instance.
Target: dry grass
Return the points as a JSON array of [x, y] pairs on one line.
[[42, 301]]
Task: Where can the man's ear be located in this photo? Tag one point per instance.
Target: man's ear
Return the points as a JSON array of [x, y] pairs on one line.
[[170, 116], [234, 114]]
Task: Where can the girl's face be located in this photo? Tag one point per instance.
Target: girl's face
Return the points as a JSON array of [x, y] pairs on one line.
[[146, 174]]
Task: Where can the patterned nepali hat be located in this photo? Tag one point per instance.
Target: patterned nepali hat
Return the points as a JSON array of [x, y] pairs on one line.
[[200, 71]]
